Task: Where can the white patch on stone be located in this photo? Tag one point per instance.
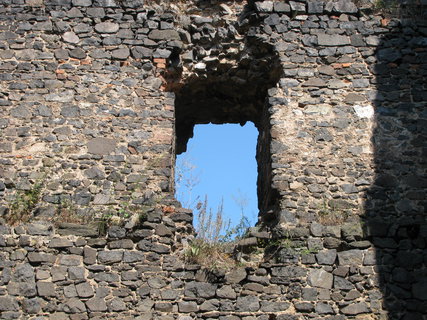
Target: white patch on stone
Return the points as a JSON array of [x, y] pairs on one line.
[[70, 37], [364, 111], [322, 109], [200, 66], [302, 17], [37, 147]]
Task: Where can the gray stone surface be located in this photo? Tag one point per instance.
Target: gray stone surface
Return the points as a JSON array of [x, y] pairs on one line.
[[8, 303], [326, 257], [107, 27], [338, 97], [84, 290], [96, 305], [108, 257], [320, 278], [101, 146], [332, 40], [350, 257], [236, 276], [200, 290], [45, 289], [355, 308], [248, 303]]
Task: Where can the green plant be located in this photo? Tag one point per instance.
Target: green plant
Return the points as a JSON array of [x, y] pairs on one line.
[[22, 207], [106, 220], [385, 4], [306, 251], [287, 245], [239, 231]]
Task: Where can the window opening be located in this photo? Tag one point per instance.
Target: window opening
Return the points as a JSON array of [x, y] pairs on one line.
[[220, 164], [233, 93]]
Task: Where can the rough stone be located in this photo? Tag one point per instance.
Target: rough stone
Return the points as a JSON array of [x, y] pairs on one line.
[[187, 306], [8, 303], [164, 35], [332, 40], [74, 305], [101, 146], [60, 243], [84, 290], [320, 278], [121, 54], [236, 276], [248, 303], [45, 289], [355, 308], [326, 257], [71, 37], [107, 27], [109, 257], [350, 257], [200, 290], [96, 305]]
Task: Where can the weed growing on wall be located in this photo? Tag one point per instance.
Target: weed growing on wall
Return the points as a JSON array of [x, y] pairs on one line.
[[66, 211], [216, 240], [24, 203], [211, 255]]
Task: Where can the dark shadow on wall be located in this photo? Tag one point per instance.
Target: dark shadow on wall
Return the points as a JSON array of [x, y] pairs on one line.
[[396, 205]]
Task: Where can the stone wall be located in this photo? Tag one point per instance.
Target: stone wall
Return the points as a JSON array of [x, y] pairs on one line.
[[96, 96], [141, 273], [82, 110]]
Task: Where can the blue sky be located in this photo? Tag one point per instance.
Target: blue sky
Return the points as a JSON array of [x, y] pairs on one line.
[[220, 163]]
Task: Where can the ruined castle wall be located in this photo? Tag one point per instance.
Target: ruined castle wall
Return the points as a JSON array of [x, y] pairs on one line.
[[83, 112], [88, 122], [143, 273]]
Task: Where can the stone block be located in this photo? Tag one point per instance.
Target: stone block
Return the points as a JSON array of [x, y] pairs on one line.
[[226, 292], [70, 260], [96, 305], [74, 305], [45, 289], [342, 284], [116, 305], [332, 40], [350, 257], [235, 276], [355, 308], [320, 278], [315, 6], [89, 255], [264, 6], [200, 290], [326, 257], [109, 257], [297, 6], [38, 257], [101, 146], [84, 290], [187, 306], [8, 303], [60, 243], [107, 27], [164, 35], [247, 303]]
